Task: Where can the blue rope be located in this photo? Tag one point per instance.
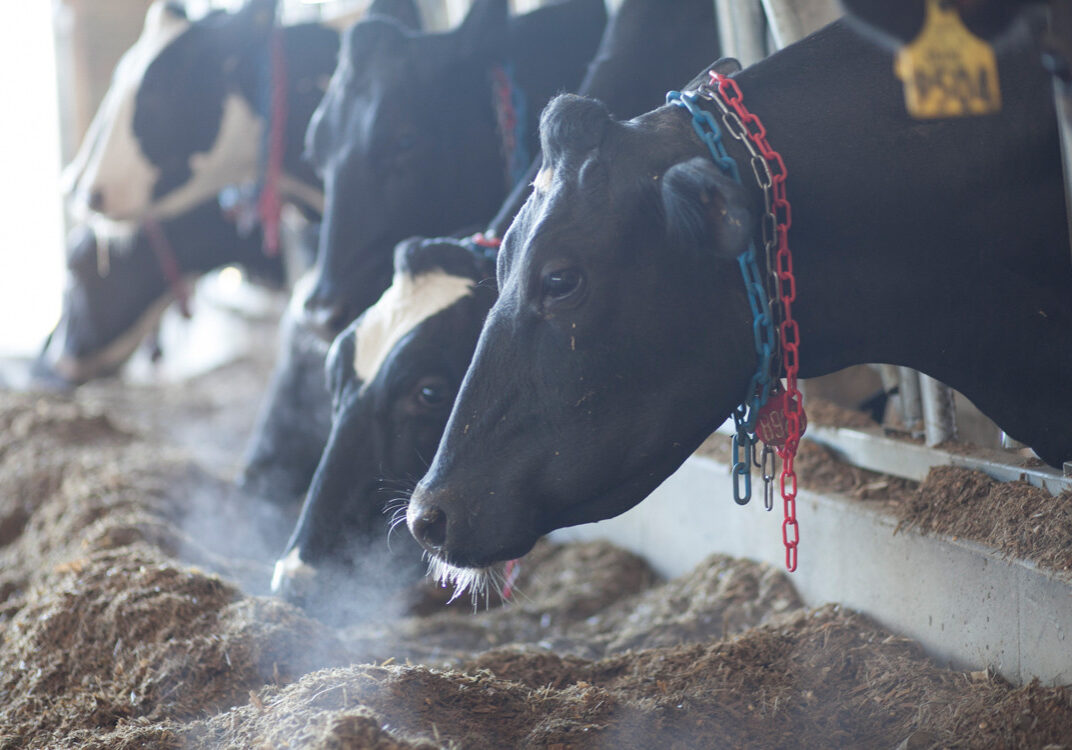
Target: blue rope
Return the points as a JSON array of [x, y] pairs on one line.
[[744, 415]]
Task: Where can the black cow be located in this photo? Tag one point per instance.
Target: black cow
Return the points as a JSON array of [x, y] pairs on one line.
[[622, 335], [648, 45], [182, 118], [117, 289], [407, 138], [393, 375], [294, 417]]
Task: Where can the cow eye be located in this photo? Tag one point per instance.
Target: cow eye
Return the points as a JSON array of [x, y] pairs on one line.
[[561, 284], [433, 393]]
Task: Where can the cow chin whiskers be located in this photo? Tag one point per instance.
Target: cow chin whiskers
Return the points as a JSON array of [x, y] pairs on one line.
[[479, 582]]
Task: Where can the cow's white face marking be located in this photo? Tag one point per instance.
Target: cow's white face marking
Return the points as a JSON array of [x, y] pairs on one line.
[[542, 183], [292, 568], [110, 159], [409, 301], [232, 159]]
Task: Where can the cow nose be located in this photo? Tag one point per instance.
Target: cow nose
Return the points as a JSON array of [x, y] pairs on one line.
[[292, 578], [96, 200], [430, 528], [326, 319]]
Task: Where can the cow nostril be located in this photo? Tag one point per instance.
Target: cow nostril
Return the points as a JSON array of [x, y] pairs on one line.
[[326, 319], [96, 200], [430, 528]]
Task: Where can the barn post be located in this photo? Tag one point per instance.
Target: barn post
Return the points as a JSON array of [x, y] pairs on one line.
[[742, 30]]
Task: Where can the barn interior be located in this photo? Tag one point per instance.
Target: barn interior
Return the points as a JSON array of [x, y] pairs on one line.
[[930, 608]]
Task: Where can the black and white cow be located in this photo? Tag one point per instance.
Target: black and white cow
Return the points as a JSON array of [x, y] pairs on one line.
[[393, 375], [392, 79], [622, 335], [117, 288], [648, 46], [407, 137], [182, 118]]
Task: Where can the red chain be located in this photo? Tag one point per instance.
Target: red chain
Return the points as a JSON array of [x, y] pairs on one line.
[[787, 293], [270, 202], [169, 264], [483, 240]]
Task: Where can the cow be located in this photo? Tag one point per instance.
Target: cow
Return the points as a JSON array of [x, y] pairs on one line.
[[622, 335], [350, 140], [183, 117], [409, 117], [118, 286], [648, 45], [392, 375], [294, 417]]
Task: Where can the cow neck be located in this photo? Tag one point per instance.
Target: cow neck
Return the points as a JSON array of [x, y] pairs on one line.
[[859, 204], [913, 239]]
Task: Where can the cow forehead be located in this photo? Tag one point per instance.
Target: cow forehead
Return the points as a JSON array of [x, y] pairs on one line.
[[408, 302]]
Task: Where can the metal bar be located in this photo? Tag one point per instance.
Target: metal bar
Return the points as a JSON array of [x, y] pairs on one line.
[[792, 20], [873, 450], [741, 30], [939, 412], [911, 400]]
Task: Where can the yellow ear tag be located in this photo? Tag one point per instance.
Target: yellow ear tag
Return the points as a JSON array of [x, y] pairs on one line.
[[947, 71]]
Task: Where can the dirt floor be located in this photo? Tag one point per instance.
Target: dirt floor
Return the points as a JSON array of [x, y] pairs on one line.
[[131, 617]]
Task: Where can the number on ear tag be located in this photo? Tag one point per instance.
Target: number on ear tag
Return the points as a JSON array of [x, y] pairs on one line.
[[947, 71], [771, 426]]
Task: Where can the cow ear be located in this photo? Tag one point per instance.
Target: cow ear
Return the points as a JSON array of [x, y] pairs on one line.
[[164, 13], [483, 28], [704, 209], [405, 12]]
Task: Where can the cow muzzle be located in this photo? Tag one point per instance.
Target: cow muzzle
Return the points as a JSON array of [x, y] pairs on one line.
[[293, 579]]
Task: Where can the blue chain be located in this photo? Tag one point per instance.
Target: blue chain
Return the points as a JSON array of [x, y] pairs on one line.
[[744, 416]]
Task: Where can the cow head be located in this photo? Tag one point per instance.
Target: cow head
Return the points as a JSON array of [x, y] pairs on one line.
[[177, 123], [406, 122], [621, 338], [393, 375], [117, 289]]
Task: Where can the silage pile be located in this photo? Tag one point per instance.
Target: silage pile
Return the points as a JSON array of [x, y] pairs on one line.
[[123, 625]]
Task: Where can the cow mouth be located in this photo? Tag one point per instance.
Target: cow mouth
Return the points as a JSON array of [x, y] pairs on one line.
[[106, 360], [480, 582]]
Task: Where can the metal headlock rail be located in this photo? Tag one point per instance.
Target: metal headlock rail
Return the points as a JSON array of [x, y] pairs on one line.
[[749, 31]]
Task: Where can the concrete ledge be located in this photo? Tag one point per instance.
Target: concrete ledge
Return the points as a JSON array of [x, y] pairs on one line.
[[964, 603]]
